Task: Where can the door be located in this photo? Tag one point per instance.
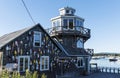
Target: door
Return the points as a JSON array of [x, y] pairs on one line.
[[23, 63]]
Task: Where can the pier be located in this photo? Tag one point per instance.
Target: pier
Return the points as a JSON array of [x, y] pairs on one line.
[[95, 68], [109, 69]]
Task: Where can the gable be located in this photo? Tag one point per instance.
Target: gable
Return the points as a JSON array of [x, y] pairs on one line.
[[11, 36], [22, 44]]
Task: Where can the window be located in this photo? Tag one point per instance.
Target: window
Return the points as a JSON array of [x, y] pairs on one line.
[[44, 63], [68, 23], [23, 63], [80, 43], [72, 12], [58, 23], [80, 62], [54, 24], [79, 24], [71, 23], [67, 11], [37, 39], [65, 23]]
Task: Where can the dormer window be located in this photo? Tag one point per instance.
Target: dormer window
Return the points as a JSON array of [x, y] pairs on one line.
[[37, 39], [72, 12], [67, 11]]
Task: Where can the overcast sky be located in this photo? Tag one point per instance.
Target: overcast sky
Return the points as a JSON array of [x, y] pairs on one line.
[[101, 16]]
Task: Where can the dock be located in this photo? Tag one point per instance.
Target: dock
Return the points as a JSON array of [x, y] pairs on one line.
[[95, 75], [109, 69], [101, 75]]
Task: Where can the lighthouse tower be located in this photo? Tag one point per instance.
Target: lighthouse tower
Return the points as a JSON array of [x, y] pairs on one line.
[[69, 31]]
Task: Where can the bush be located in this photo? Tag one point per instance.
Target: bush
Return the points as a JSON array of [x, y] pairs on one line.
[[28, 74], [43, 76], [15, 74], [5, 74], [35, 75]]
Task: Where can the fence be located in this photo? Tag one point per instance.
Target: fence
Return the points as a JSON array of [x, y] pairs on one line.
[[109, 69]]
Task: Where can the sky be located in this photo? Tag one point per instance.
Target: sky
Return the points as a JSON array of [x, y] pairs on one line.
[[101, 16]]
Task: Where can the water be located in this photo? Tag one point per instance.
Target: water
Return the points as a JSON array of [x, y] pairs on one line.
[[103, 62]]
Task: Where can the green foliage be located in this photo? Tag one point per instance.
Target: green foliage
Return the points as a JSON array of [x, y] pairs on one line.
[[35, 75], [43, 76], [5, 74], [28, 74], [16, 74]]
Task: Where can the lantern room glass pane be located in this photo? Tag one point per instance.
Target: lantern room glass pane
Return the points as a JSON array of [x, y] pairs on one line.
[[71, 23], [65, 23], [80, 43]]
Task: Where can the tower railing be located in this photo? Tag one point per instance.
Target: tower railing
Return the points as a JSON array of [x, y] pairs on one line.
[[90, 51], [63, 29]]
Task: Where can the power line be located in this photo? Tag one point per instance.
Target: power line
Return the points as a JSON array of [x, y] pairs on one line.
[[28, 11]]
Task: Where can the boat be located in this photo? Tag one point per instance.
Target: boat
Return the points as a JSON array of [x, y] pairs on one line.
[[113, 59]]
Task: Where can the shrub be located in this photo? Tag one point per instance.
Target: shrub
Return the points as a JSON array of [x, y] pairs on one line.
[[5, 74], [16, 74], [35, 75], [43, 76], [28, 74]]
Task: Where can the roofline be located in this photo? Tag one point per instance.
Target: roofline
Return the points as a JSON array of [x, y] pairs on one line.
[[60, 16], [66, 8], [18, 35]]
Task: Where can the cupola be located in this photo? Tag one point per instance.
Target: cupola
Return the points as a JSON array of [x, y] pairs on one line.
[[67, 11]]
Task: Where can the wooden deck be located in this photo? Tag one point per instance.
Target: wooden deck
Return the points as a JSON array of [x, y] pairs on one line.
[[101, 75], [96, 75]]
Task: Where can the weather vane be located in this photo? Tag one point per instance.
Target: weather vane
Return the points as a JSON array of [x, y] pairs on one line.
[[67, 2]]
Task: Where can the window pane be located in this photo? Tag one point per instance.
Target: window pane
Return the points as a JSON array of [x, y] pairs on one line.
[[67, 11], [80, 61], [81, 23], [37, 43], [71, 23], [42, 63], [77, 23], [53, 24], [21, 64], [37, 38], [26, 63], [46, 63], [58, 23], [65, 23], [79, 44]]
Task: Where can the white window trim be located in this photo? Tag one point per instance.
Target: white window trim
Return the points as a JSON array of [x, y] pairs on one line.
[[68, 28], [36, 32], [44, 63], [28, 57], [82, 60]]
